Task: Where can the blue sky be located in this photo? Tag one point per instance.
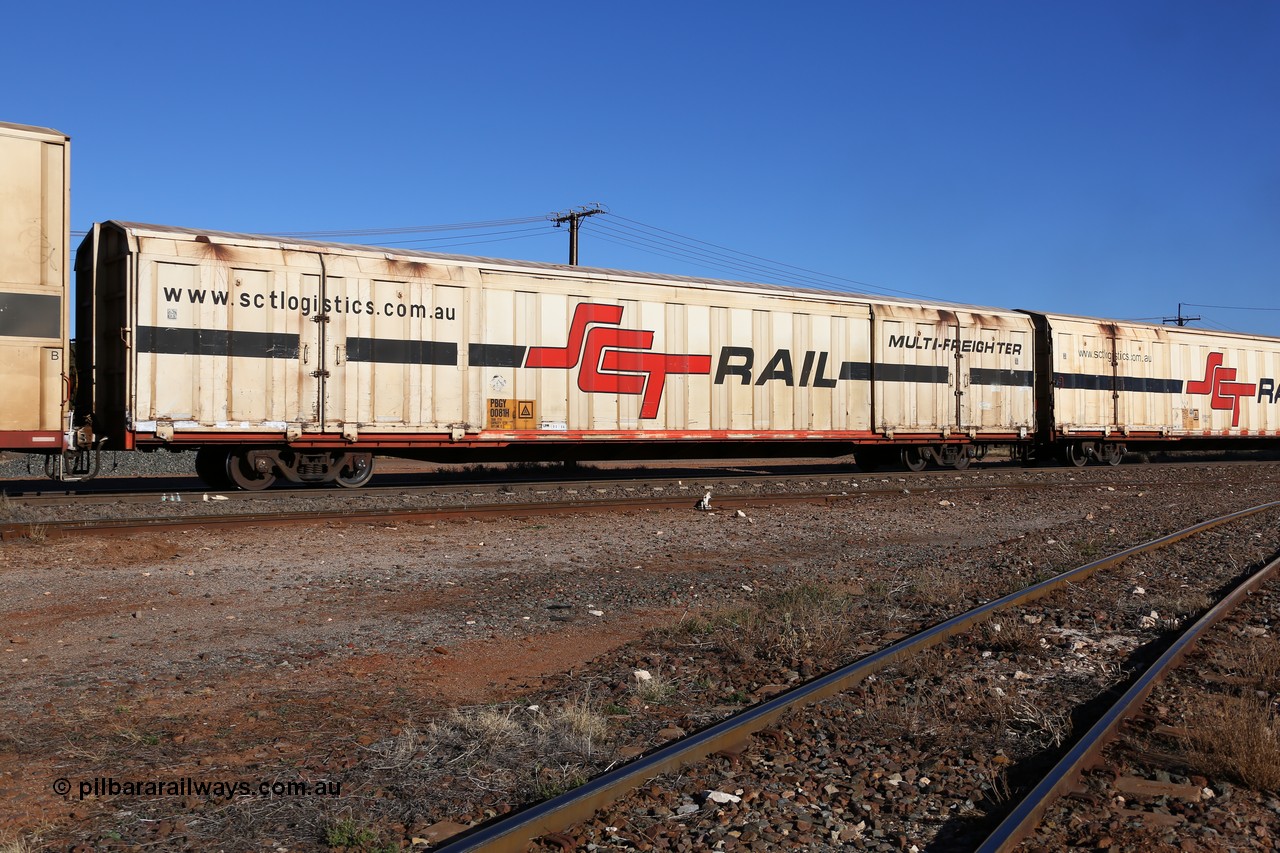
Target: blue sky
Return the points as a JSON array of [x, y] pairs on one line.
[[1101, 158]]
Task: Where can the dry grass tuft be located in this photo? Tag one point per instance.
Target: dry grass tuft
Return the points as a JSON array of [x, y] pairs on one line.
[[1040, 726], [29, 843], [806, 621], [1237, 737], [925, 714], [654, 690], [401, 750], [1180, 605], [1261, 665], [528, 751], [936, 588], [691, 631], [1010, 635]]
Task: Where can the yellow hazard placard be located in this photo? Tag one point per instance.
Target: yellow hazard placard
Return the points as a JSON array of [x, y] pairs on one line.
[[526, 415]]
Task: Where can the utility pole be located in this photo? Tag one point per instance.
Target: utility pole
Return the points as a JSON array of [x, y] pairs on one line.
[[1181, 319], [574, 217]]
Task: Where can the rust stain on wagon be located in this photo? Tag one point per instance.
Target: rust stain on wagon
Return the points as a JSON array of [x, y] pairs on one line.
[[208, 250], [401, 268]]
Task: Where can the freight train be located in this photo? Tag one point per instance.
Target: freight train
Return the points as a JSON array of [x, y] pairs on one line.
[[301, 360]]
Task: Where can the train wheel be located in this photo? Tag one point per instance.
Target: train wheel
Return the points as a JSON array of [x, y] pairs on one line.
[[355, 470], [963, 459], [1075, 455], [914, 458], [243, 475], [211, 467], [1113, 454]]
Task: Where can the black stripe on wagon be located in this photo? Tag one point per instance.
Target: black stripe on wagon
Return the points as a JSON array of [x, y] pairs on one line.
[[860, 371], [495, 355], [1082, 381], [223, 342], [995, 376], [1153, 386], [30, 315], [911, 373], [1103, 382], [856, 370], [388, 351]]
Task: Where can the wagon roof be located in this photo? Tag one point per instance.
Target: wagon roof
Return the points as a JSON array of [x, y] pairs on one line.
[[1138, 324], [509, 265], [31, 128]]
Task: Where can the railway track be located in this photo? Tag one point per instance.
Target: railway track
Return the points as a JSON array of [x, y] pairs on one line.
[[551, 819], [133, 510]]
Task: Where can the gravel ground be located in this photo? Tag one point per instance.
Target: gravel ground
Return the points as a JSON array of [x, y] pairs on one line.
[[370, 655]]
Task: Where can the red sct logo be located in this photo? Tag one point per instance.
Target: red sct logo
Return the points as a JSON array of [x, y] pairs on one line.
[[1224, 394], [615, 361]]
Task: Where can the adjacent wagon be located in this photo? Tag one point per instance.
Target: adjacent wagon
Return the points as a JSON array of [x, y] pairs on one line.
[[34, 229]]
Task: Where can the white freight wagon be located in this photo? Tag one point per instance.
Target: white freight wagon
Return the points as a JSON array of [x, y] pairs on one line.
[[34, 184], [301, 359]]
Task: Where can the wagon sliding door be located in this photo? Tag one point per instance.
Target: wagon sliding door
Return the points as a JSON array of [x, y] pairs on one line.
[[914, 371], [394, 351], [1084, 376], [225, 344]]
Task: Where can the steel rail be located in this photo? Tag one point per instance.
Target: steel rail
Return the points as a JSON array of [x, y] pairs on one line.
[[1022, 821], [282, 495], [14, 530], [515, 831], [106, 527], [54, 494], [921, 481]]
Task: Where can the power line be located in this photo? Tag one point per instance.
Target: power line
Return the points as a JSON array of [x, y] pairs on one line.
[[719, 266], [702, 259], [1229, 307], [772, 263], [525, 231], [407, 229], [1222, 327], [741, 266], [496, 240]]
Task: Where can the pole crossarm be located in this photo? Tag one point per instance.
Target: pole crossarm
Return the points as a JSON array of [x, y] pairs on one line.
[[574, 218]]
